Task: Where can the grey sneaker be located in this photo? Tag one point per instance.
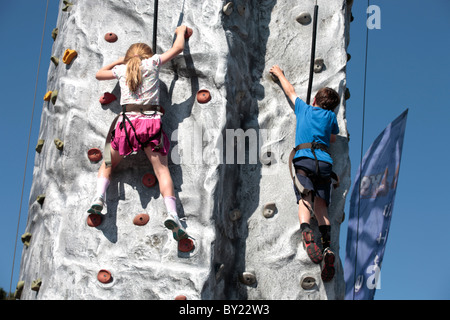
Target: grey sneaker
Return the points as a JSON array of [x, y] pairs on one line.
[[173, 223], [97, 206]]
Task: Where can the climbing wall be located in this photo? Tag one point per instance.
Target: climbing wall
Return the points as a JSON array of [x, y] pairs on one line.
[[231, 130]]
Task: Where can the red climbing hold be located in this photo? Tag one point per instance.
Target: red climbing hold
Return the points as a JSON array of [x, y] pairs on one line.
[[188, 33], [94, 220], [186, 245], [141, 219], [94, 155], [111, 37], [107, 98], [180, 297], [149, 180], [104, 276], [203, 96]]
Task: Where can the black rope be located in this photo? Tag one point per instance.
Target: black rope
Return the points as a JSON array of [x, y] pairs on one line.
[[313, 53], [362, 149], [155, 25]]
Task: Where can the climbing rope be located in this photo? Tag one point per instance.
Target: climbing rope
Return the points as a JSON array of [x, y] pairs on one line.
[[362, 150], [313, 53], [28, 146], [155, 25]]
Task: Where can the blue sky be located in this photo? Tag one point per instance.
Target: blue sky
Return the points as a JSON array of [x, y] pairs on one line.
[[408, 67]]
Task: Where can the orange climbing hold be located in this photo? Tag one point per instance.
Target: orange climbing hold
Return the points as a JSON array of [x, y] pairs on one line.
[[47, 96], [94, 220], [111, 37], [69, 55], [149, 180], [186, 245], [141, 219], [181, 297], [104, 276], [94, 155], [203, 96], [107, 98]]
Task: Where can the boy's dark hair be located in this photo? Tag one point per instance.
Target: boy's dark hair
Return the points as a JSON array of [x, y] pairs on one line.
[[327, 98]]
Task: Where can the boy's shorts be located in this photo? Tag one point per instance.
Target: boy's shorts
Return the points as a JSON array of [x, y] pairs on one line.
[[320, 189]]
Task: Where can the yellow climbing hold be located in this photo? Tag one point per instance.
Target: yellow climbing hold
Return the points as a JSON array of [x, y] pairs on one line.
[[39, 146], [69, 55], [59, 144], [19, 289], [67, 5], [54, 96], [36, 284], [47, 96], [26, 237]]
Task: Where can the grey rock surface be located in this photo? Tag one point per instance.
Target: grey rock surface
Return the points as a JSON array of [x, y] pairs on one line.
[[228, 157]]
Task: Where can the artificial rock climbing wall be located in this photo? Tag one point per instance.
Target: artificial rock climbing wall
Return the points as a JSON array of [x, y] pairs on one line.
[[228, 155]]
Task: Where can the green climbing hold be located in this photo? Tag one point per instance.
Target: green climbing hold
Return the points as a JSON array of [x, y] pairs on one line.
[[67, 5], [59, 144], [54, 96], [40, 199], [36, 284], [55, 33], [19, 289], [40, 145], [26, 237], [55, 60]]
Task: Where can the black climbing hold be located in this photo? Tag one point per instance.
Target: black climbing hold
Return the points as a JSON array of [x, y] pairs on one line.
[[304, 18], [318, 65], [40, 199]]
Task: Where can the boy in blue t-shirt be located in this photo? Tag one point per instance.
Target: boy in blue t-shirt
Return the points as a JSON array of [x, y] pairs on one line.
[[316, 128]]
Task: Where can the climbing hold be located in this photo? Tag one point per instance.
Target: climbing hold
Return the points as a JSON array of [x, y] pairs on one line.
[[26, 237], [48, 96], [54, 96], [307, 282], [111, 37], [67, 5], [180, 297], [107, 98], [104, 276], [241, 9], [94, 155], [347, 94], [304, 18], [59, 144], [228, 8], [141, 219], [235, 215], [55, 60], [94, 220], [40, 199], [219, 269], [188, 33], [69, 55], [247, 278], [54, 33], [186, 245], [36, 284], [19, 289], [39, 146], [149, 180], [269, 210], [318, 65], [203, 96]]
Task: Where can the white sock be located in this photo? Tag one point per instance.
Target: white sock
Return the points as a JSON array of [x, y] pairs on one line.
[[102, 186], [170, 203]]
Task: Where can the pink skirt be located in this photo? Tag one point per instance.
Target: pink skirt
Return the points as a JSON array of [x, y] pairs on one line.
[[146, 126]]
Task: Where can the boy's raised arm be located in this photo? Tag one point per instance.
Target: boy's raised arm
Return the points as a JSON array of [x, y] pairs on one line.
[[285, 84]]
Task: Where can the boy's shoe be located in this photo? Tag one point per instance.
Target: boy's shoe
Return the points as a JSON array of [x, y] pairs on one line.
[[313, 251], [328, 267], [173, 223], [97, 206]]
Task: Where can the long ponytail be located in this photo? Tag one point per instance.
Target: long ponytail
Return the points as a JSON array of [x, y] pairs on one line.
[[133, 57]]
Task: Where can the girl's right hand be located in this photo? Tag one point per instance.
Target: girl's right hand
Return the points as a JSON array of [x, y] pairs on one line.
[[181, 30]]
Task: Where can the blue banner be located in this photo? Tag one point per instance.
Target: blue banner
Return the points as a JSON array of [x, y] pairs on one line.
[[371, 204]]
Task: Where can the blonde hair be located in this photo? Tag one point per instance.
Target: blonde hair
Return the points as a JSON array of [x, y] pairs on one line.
[[133, 57]]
